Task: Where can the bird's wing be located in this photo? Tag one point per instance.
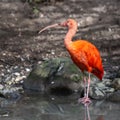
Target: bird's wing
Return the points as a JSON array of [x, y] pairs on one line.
[[87, 56]]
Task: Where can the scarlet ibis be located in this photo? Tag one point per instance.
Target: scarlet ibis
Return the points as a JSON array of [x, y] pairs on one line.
[[83, 53]]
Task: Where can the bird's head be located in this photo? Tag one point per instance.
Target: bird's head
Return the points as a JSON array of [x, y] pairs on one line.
[[70, 23]]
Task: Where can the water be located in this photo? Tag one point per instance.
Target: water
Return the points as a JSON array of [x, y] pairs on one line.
[[48, 107]]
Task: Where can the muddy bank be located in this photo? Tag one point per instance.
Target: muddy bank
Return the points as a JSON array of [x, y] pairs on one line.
[[20, 43]]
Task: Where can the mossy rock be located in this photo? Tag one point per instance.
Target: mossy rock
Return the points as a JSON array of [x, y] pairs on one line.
[[53, 74]]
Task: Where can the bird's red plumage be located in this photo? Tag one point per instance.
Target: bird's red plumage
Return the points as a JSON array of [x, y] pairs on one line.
[[87, 57]]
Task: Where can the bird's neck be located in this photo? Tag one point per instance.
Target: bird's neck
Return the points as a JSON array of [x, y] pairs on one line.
[[68, 37]]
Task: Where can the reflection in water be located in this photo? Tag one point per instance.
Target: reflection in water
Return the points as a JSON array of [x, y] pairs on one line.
[[36, 106], [87, 113]]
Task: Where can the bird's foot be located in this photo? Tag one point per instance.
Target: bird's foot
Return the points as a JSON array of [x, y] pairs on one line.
[[84, 100]]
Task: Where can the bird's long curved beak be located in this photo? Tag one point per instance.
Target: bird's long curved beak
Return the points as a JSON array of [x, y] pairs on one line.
[[50, 26]]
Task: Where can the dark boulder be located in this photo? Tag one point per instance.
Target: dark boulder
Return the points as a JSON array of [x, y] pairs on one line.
[[58, 74]]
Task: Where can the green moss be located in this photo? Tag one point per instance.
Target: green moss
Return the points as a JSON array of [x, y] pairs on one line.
[[76, 77], [56, 68]]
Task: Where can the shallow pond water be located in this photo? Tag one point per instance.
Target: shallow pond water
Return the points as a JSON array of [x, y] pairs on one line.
[[49, 107]]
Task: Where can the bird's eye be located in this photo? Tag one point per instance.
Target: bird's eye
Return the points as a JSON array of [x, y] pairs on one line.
[[67, 22]]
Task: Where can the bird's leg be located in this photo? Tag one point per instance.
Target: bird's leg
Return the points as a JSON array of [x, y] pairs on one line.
[[85, 92], [86, 99], [88, 86], [87, 114], [85, 84]]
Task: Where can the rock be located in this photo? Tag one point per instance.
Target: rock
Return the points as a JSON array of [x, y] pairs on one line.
[[11, 92], [106, 82], [114, 97], [105, 86], [100, 85], [116, 83], [1, 86], [97, 93], [100, 90], [54, 74], [17, 74]]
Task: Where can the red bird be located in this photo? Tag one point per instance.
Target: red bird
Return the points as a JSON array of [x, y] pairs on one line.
[[83, 53]]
